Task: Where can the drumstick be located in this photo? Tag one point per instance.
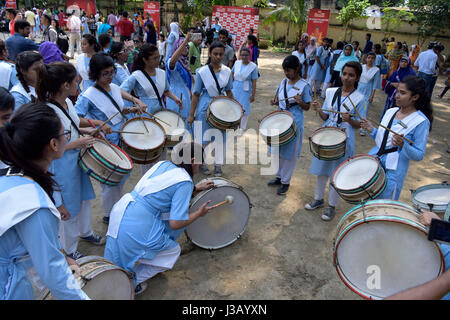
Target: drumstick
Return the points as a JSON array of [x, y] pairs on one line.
[[286, 99], [130, 132], [157, 118], [93, 133], [330, 110], [228, 199], [107, 142]]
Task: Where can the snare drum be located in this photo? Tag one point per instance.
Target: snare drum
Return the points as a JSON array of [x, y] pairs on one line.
[[432, 197], [381, 248], [143, 148], [278, 128], [222, 226], [224, 113], [100, 279], [359, 178], [176, 128], [328, 143], [105, 162]]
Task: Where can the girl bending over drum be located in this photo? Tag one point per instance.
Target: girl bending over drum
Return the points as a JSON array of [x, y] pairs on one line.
[[412, 119], [341, 99], [299, 92], [29, 244], [145, 223]]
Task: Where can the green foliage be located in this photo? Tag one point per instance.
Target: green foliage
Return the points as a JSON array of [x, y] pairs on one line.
[[431, 15], [294, 11], [353, 10], [262, 3], [393, 18]]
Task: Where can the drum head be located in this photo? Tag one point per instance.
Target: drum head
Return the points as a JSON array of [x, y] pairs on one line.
[[275, 124], [386, 254], [109, 285], [436, 194], [226, 109], [224, 225], [176, 126], [328, 137], [146, 141], [105, 150], [355, 172]]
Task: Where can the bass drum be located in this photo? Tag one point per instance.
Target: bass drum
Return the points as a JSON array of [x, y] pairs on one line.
[[224, 225], [432, 197], [100, 279]]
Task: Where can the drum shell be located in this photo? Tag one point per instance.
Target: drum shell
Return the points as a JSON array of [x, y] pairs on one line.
[[172, 140], [284, 137], [438, 208], [102, 170], [362, 214], [327, 153], [94, 266], [219, 123], [141, 156]]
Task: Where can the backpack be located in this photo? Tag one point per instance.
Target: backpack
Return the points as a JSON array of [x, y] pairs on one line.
[[384, 65], [62, 42], [334, 60]]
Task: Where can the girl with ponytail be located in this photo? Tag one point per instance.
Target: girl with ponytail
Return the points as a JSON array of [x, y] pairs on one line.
[[414, 110], [29, 228], [58, 81], [89, 47], [27, 65]]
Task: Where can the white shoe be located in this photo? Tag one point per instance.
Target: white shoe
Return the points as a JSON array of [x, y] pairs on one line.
[[140, 288]]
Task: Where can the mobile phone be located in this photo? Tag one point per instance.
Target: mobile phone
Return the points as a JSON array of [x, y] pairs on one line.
[[439, 231]]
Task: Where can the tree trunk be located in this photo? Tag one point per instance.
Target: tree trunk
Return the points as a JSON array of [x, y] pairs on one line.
[[345, 31], [287, 31]]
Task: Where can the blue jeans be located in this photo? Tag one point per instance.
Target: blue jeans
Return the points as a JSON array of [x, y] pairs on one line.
[[428, 81]]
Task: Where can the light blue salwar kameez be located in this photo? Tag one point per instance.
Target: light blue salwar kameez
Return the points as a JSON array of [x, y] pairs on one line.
[[242, 90], [369, 82]]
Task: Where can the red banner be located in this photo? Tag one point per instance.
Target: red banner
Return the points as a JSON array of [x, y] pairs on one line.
[[11, 4], [85, 5], [237, 21], [318, 24], [151, 9]]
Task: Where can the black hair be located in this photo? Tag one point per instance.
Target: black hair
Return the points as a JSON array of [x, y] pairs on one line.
[[125, 14], [6, 100], [23, 140], [369, 35], [223, 32], [371, 53], [92, 41], [392, 39], [291, 62], [340, 45], [195, 150], [356, 42], [56, 22], [400, 44], [51, 77], [24, 61], [357, 67], [215, 44], [418, 86], [161, 35], [104, 39], [245, 49], [12, 11], [330, 41], [47, 17], [253, 39], [146, 51], [99, 62], [21, 24], [377, 48]]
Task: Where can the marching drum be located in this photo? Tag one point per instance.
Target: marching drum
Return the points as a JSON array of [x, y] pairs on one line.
[[359, 178], [105, 162], [143, 148], [432, 197], [328, 143], [176, 128], [100, 279], [278, 128], [224, 225], [381, 248], [224, 113]]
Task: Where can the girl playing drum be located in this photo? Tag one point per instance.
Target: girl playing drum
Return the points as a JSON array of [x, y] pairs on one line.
[[415, 112], [292, 86], [339, 99]]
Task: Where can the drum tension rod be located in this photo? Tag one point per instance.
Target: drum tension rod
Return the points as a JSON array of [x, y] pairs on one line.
[[430, 205]]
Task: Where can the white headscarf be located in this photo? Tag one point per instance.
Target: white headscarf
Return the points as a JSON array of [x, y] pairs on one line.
[[175, 30]]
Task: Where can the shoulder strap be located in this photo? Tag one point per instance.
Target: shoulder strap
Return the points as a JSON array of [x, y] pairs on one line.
[[154, 87], [60, 107], [285, 94], [215, 79], [96, 86], [337, 96], [385, 138]]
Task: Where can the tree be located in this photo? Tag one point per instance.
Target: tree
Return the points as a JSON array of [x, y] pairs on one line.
[[393, 17], [431, 16], [294, 12], [353, 10]]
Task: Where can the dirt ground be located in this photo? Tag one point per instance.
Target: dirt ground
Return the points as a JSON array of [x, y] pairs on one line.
[[286, 251]]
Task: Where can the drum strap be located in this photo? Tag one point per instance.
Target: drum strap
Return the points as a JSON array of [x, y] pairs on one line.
[[383, 149], [215, 79], [154, 87], [288, 104], [96, 86], [60, 107]]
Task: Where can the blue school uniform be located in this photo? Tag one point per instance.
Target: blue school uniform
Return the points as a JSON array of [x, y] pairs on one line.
[[20, 95], [317, 73], [242, 89], [368, 82], [82, 67], [121, 75], [8, 75]]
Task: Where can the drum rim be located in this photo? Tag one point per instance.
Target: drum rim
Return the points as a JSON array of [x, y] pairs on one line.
[[139, 119], [340, 235], [440, 208], [272, 113], [106, 160], [94, 175], [178, 114], [200, 195], [330, 146], [345, 162], [228, 98]]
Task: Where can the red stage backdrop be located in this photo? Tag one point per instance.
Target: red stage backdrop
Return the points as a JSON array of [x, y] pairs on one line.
[[237, 21], [318, 24], [11, 4], [84, 5], [152, 8]]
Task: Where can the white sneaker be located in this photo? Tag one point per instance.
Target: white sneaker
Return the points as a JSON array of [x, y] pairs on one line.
[[140, 288]]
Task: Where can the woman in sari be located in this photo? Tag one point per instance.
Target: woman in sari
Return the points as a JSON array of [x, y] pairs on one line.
[[394, 57]]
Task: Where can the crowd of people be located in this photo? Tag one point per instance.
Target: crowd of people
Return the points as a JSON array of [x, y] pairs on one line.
[[50, 109]]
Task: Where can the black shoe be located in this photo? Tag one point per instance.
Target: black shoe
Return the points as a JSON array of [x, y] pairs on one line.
[[283, 189], [274, 182]]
